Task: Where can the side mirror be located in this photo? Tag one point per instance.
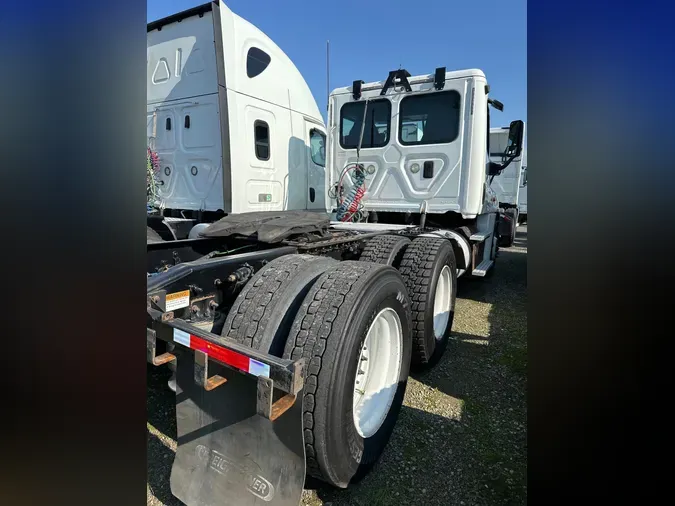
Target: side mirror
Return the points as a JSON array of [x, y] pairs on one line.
[[515, 145]]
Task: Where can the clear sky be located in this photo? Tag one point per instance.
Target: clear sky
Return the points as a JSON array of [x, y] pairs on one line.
[[370, 38]]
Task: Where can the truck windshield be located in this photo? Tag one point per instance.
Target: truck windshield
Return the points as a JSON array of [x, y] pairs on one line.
[[376, 131]]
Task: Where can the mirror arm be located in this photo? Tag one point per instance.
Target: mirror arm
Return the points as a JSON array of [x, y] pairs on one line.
[[502, 167], [508, 162]]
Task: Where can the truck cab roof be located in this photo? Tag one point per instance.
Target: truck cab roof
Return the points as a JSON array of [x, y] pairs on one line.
[[455, 74]]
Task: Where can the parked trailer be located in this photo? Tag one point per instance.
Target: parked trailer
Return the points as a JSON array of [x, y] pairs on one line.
[[292, 334]]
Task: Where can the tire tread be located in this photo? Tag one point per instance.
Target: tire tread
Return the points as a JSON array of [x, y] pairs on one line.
[[385, 249], [248, 313], [417, 269], [310, 334]]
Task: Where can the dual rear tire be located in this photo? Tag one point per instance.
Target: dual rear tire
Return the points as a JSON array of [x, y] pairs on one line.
[[429, 270], [359, 325], [328, 312]]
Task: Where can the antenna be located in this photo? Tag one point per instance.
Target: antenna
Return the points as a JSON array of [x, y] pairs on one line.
[[327, 75]]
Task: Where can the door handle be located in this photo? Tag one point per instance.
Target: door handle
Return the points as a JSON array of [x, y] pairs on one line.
[[428, 171]]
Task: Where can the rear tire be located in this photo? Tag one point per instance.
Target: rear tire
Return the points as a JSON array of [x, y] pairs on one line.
[[329, 331], [385, 249], [264, 310], [423, 264]]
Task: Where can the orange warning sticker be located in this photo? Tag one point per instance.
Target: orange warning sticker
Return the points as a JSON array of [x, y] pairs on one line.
[[177, 300]]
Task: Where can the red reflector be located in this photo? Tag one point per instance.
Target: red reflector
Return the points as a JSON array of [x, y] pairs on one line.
[[226, 356]]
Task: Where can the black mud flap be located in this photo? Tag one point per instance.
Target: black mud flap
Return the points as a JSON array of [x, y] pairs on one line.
[[227, 453]]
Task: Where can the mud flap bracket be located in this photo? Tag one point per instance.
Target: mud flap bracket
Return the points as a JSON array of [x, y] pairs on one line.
[[202, 373], [266, 407], [151, 350]]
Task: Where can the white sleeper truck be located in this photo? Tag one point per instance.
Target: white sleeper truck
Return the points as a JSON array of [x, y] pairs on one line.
[[218, 86], [297, 274]]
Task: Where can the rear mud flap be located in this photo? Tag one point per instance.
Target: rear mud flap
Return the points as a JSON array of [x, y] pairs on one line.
[[228, 454]]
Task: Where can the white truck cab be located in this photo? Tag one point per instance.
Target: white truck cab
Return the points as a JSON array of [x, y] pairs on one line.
[[232, 119], [424, 141], [414, 150]]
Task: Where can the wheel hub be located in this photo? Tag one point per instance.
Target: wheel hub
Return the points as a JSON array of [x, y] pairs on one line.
[[377, 372], [442, 303]]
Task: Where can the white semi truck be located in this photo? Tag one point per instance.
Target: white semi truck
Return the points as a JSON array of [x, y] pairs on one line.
[[296, 273], [508, 184], [217, 86]]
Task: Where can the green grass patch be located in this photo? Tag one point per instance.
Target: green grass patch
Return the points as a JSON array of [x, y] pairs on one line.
[[515, 359]]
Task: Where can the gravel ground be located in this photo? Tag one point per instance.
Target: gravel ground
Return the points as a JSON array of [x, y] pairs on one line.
[[461, 437]]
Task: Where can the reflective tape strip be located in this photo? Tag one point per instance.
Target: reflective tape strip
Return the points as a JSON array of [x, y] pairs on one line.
[[229, 357], [181, 337], [258, 368]]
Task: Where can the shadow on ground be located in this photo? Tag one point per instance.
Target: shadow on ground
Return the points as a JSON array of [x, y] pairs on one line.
[[161, 432], [160, 401]]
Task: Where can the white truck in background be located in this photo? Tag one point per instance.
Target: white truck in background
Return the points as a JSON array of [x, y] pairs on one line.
[[508, 184], [296, 273], [233, 121], [522, 195]]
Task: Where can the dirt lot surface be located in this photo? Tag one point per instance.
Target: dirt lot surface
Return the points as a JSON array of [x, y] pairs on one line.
[[461, 438]]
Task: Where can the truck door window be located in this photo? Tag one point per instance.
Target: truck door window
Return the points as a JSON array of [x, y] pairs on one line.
[[262, 140], [376, 131], [432, 118], [317, 147]]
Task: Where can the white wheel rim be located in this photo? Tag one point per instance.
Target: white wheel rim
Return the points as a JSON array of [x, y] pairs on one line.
[[442, 302], [377, 372]]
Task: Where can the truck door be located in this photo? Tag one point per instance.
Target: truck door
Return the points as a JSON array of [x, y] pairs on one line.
[[316, 160], [263, 188]]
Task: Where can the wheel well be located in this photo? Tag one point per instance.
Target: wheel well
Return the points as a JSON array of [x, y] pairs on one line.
[[461, 245], [459, 254]]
